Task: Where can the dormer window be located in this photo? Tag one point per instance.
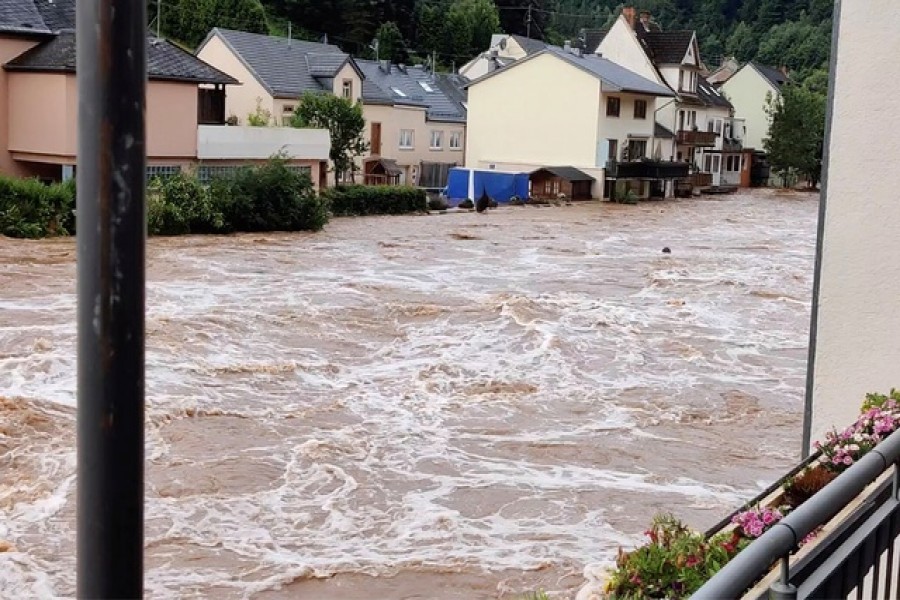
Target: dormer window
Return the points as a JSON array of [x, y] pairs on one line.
[[347, 90], [687, 81]]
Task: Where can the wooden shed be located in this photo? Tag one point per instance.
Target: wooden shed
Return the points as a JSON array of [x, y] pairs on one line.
[[550, 182], [382, 171]]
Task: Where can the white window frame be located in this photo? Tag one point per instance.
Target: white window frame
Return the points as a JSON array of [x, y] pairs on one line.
[[347, 89], [456, 140], [437, 134], [412, 139]]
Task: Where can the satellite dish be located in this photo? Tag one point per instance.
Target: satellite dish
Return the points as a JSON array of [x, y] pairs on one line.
[[503, 44]]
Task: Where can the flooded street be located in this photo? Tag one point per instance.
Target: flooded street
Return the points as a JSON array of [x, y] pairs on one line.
[[463, 405]]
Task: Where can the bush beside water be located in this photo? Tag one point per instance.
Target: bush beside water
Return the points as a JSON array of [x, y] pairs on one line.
[[360, 200], [269, 197], [30, 209]]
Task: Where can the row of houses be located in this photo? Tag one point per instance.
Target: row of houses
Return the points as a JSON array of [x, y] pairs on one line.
[[632, 108], [624, 110]]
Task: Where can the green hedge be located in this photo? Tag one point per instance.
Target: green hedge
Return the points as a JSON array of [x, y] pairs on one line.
[[376, 200], [31, 209], [270, 197]]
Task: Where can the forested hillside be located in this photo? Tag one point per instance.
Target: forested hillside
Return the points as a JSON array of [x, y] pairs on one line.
[[794, 33]]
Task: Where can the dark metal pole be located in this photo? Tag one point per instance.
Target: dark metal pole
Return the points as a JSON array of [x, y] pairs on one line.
[[111, 71]]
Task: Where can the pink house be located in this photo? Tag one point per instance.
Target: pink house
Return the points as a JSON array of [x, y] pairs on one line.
[[185, 105]]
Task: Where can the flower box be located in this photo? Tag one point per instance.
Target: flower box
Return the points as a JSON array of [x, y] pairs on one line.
[[677, 561]]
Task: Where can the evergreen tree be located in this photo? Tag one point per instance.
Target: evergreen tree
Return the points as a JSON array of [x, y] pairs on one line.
[[390, 43]]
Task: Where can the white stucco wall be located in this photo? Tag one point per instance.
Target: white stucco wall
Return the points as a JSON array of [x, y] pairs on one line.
[[623, 48], [623, 126], [857, 348], [747, 91], [555, 123]]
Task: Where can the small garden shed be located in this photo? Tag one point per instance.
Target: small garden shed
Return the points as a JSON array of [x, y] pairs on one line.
[[382, 171], [550, 182]]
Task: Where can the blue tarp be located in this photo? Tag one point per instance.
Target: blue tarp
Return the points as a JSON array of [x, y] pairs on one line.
[[500, 186]]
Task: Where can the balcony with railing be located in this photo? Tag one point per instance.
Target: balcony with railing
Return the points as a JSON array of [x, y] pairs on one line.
[[854, 555], [646, 169], [689, 137], [215, 142]]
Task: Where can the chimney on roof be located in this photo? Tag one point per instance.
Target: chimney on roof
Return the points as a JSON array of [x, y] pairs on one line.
[[784, 70], [493, 60], [385, 65], [567, 46], [645, 19], [629, 13]]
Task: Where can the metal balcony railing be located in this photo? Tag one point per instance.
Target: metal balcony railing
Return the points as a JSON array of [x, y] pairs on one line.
[[855, 559], [646, 169]]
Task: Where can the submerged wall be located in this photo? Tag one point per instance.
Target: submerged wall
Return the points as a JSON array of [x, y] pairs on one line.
[[856, 323]]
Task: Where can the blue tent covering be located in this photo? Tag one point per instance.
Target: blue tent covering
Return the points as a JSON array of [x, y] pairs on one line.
[[500, 186]]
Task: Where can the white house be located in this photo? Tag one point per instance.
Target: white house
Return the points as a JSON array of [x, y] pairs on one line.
[[750, 89], [504, 50], [698, 114], [558, 108]]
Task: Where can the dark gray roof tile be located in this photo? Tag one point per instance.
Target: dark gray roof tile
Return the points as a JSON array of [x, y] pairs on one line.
[[22, 16], [412, 86], [711, 96], [666, 47], [286, 68], [567, 173], [57, 14], [775, 77], [662, 132], [164, 61], [529, 45], [612, 73], [605, 70]]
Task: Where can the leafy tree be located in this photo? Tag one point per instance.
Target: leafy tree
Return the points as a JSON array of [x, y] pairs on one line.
[[430, 20], [796, 44], [469, 27], [343, 119], [794, 144], [189, 21], [771, 13], [817, 82], [742, 43]]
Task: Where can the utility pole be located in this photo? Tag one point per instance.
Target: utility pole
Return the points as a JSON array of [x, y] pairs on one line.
[[158, 17], [528, 22], [111, 71]]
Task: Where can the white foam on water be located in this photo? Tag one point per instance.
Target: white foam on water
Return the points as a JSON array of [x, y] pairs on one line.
[[344, 406]]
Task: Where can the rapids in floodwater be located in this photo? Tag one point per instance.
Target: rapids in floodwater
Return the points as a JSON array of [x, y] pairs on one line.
[[462, 406]]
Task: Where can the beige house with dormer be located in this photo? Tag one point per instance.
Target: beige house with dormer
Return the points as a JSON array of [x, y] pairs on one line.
[[415, 119]]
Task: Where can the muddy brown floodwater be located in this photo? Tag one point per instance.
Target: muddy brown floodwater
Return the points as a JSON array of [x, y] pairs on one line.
[[454, 406]]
